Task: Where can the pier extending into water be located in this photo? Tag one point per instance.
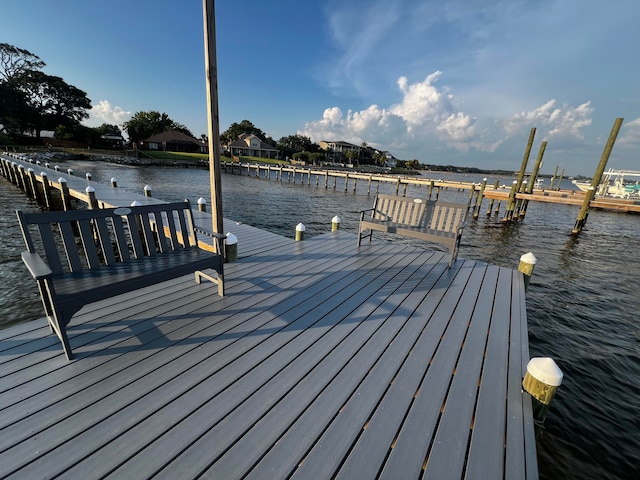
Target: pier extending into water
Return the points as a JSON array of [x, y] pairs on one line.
[[323, 360]]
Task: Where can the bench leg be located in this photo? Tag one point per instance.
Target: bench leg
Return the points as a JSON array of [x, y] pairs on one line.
[[219, 280], [56, 323]]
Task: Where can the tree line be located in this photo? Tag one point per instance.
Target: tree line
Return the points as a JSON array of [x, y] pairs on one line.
[[32, 101]]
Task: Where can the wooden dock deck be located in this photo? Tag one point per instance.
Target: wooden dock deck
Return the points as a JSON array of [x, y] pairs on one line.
[[322, 361]]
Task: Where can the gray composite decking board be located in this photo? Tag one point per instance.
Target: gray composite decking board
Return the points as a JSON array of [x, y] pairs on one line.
[[486, 456], [183, 366], [520, 416], [289, 334], [30, 342], [58, 430], [49, 393], [391, 398], [515, 460], [123, 301], [447, 455], [355, 387], [407, 457], [311, 380], [85, 321], [55, 366]]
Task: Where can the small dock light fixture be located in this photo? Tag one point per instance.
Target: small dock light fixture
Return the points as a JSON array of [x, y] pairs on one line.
[[527, 264], [541, 381], [230, 248]]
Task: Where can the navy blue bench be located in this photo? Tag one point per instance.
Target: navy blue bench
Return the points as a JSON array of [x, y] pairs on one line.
[[81, 256]]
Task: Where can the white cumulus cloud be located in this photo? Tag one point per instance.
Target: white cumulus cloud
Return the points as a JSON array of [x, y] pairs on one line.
[[425, 112], [104, 112], [552, 120]]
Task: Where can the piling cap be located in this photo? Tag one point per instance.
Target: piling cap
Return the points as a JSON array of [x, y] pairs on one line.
[[231, 239], [62, 180], [545, 370], [529, 258], [336, 219], [300, 227], [90, 189], [147, 187], [201, 201]]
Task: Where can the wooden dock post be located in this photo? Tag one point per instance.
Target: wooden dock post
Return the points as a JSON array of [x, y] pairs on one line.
[[553, 179], [527, 264], [64, 194], [512, 195], [476, 211], [584, 210], [560, 179], [147, 191], [495, 187], [92, 202], [33, 184], [542, 379], [202, 204], [534, 175], [508, 214], [335, 223], [46, 190], [300, 229]]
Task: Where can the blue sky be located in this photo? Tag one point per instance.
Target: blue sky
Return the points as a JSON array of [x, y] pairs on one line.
[[460, 82]]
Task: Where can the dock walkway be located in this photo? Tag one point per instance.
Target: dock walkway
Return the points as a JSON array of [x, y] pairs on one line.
[[323, 361]]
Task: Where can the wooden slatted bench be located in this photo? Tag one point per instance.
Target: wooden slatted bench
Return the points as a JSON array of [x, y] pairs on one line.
[[79, 257], [429, 220]]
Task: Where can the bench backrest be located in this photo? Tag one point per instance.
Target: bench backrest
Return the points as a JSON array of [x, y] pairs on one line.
[[446, 216], [75, 240], [405, 210], [433, 214]]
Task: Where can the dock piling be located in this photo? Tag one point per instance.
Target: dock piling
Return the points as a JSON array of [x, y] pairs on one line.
[[584, 210]]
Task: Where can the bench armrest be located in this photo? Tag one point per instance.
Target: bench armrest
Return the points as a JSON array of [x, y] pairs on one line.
[[37, 267], [362, 212]]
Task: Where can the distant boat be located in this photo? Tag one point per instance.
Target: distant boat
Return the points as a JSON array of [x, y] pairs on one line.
[[614, 185]]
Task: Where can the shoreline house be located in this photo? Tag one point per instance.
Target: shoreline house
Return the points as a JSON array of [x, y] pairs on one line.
[[249, 145], [173, 141], [336, 150]]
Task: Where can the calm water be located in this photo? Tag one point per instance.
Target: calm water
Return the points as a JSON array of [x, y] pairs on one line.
[[583, 302]]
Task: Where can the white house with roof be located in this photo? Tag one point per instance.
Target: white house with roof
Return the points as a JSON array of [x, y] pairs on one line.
[[250, 145]]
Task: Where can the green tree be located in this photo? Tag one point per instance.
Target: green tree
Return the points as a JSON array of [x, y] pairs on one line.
[[50, 101], [108, 129], [32, 100], [295, 143], [15, 61], [231, 134], [145, 124]]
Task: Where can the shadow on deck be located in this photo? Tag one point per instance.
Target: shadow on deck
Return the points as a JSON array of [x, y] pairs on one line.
[[322, 361]]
